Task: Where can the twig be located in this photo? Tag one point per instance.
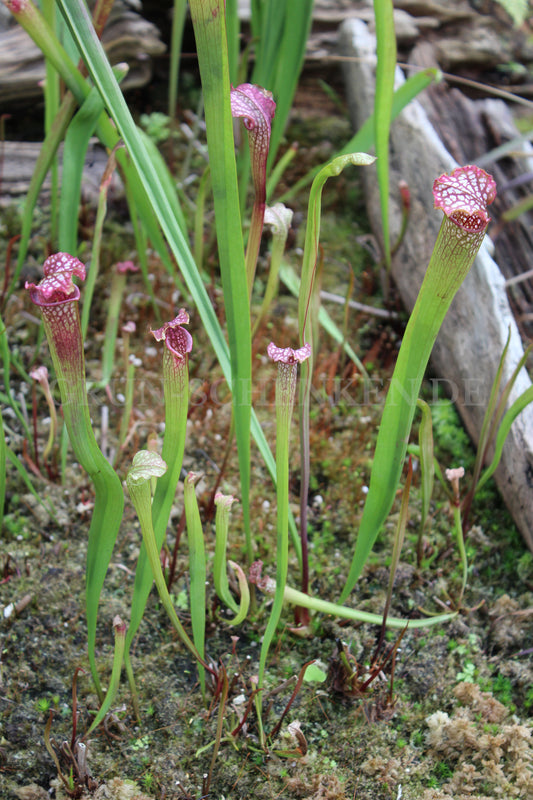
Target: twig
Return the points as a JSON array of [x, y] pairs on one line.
[[375, 312]]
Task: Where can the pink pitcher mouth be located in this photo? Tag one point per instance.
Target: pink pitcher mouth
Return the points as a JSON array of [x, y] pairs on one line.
[[176, 337], [57, 286], [286, 355], [464, 195]]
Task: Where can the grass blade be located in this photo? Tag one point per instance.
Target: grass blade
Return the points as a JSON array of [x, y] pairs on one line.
[[178, 23], [197, 570], [524, 400], [364, 140], [427, 468], [386, 65]]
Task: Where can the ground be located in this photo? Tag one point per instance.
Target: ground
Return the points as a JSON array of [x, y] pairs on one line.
[[447, 714]]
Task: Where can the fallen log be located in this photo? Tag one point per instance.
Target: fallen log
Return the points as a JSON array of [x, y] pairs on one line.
[[127, 38], [17, 163]]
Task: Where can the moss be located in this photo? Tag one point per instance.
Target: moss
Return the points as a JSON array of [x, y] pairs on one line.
[[360, 745]]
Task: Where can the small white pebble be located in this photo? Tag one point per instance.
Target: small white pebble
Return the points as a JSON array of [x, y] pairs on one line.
[[8, 610], [120, 397], [265, 505], [364, 489]]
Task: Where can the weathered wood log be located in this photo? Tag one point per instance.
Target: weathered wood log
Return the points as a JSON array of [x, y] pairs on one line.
[[17, 162], [471, 341], [127, 38]]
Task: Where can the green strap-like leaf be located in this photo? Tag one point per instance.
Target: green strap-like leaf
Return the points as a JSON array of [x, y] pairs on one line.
[[209, 27], [197, 569], [40, 170], [524, 400], [386, 65], [427, 469], [79, 132]]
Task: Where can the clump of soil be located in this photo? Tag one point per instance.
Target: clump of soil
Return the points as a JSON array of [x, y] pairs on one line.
[[491, 752]]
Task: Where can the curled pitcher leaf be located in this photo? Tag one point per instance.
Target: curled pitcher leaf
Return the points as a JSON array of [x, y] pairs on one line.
[[455, 473], [129, 327], [454, 476], [40, 374], [464, 196], [279, 217], [256, 106], [57, 285], [223, 503], [123, 267], [145, 465], [287, 361], [178, 344], [177, 339], [57, 296]]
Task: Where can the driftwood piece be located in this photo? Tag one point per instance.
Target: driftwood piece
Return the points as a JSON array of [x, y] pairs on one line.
[[473, 336], [127, 38], [17, 163]]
